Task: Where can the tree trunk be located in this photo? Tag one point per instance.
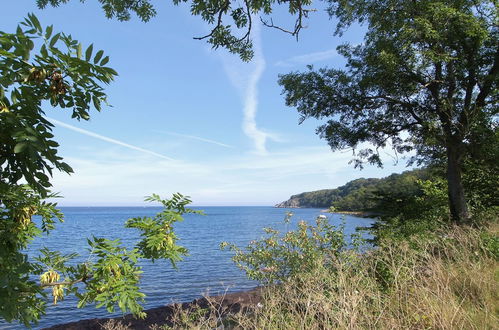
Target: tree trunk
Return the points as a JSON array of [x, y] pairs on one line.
[[457, 200]]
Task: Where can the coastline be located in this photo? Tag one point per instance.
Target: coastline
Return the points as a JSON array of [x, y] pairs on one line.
[[360, 214], [163, 315]]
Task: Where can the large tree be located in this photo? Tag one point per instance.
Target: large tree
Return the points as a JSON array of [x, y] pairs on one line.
[[425, 79]]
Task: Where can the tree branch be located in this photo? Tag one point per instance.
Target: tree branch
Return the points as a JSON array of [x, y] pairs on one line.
[[221, 11], [302, 13], [407, 105], [489, 80]]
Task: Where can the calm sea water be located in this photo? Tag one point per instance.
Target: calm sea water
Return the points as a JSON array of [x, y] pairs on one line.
[[206, 270]]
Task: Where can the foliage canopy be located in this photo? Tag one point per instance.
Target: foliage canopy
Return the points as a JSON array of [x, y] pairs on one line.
[[370, 194], [58, 73], [231, 22], [424, 79]]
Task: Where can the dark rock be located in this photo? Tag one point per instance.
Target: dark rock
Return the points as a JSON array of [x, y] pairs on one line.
[[226, 304]]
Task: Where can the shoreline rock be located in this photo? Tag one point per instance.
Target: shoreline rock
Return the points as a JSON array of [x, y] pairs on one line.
[[292, 203], [163, 315]]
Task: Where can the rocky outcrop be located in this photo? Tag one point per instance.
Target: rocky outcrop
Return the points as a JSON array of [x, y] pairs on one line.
[[290, 203]]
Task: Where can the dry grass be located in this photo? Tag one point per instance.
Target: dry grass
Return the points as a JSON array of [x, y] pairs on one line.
[[449, 282], [113, 324]]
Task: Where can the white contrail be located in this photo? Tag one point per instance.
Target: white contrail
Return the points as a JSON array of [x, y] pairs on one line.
[[107, 139], [251, 94], [197, 138], [245, 77]]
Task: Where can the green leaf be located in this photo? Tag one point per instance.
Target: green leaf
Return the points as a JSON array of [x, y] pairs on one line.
[[104, 61], [43, 51], [13, 96], [66, 168], [31, 44], [98, 56], [52, 144], [48, 32], [96, 102], [88, 52], [42, 176], [112, 72], [79, 51], [26, 52], [36, 22], [54, 39], [20, 147]]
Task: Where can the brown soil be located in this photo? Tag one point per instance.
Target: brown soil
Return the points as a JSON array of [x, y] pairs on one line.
[[225, 304]]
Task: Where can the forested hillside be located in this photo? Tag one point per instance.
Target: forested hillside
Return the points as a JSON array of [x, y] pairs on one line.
[[362, 194]]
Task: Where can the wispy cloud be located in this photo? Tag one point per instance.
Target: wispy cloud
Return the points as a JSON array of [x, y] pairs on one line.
[[193, 137], [122, 178], [251, 98], [308, 58], [107, 139], [246, 77]]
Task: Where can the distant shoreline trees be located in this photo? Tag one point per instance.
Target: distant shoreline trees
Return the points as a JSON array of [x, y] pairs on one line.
[[366, 195]]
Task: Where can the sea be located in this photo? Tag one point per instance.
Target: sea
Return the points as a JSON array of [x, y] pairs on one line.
[[206, 270]]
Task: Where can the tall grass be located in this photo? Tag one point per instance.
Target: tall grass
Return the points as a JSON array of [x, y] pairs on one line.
[[447, 282], [443, 281]]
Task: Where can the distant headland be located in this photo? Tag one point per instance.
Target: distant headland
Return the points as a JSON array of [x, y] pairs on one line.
[[356, 197]]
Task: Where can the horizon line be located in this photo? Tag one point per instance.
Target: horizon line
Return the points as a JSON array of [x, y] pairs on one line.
[[156, 206]]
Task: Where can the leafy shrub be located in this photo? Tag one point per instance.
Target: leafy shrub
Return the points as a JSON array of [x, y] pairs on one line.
[[418, 215], [446, 282], [279, 256], [111, 281]]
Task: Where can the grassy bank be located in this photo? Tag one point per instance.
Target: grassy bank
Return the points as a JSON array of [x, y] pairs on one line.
[[449, 282], [446, 279]]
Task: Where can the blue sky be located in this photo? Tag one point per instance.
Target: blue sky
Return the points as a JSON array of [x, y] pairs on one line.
[[191, 119]]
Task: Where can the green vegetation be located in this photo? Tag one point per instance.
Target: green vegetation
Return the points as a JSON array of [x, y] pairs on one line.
[[447, 282], [234, 36], [279, 257], [325, 198], [61, 72], [37, 66], [424, 274], [425, 79], [441, 279], [364, 195]]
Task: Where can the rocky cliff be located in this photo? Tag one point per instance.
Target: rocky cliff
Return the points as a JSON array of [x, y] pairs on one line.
[[290, 203]]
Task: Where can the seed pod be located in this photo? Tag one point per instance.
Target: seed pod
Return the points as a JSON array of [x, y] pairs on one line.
[[57, 293], [23, 215], [50, 276]]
